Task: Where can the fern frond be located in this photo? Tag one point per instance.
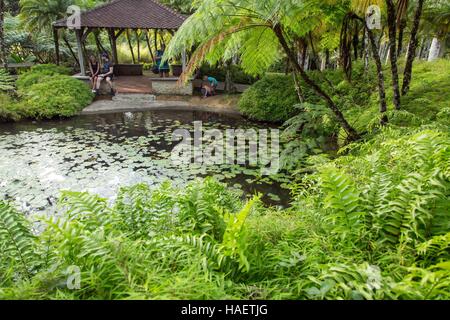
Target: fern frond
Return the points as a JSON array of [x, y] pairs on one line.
[[16, 239]]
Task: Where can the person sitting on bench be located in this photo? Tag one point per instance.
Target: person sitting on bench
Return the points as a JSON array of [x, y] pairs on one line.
[[107, 73], [94, 68]]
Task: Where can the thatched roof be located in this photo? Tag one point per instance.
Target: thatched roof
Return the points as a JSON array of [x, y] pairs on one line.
[[129, 14]]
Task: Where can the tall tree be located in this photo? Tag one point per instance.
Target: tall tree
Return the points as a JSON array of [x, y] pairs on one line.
[[3, 56], [438, 16], [392, 27], [380, 74], [402, 12], [255, 31], [407, 75]]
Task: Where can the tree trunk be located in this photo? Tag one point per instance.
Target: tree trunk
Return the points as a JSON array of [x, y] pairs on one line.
[[422, 44], [376, 57], [149, 46], [435, 49], [229, 86], [351, 132], [298, 89], [66, 41], [401, 30], [100, 47], [56, 40], [138, 40], [393, 51], [327, 59], [367, 50], [412, 48], [355, 42], [3, 56], [130, 46]]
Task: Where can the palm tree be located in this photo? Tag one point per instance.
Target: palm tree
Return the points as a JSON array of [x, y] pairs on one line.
[[407, 75], [38, 15], [392, 27], [3, 57], [438, 15], [358, 8], [255, 30]]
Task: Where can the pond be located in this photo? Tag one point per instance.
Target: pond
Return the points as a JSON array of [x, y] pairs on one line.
[[100, 153]]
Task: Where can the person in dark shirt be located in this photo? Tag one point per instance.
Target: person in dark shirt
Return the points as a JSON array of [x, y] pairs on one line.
[[107, 73]]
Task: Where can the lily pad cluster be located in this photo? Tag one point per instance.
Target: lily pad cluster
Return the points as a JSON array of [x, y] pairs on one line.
[[101, 153]]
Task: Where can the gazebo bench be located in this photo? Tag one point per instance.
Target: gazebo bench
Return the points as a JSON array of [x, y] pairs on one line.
[[128, 69]]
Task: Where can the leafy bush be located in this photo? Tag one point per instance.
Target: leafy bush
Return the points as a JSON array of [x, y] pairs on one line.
[[40, 73], [59, 95], [220, 73], [50, 69], [8, 108], [270, 99]]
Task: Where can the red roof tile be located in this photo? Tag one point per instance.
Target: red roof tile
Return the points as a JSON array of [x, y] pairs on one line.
[[130, 14]]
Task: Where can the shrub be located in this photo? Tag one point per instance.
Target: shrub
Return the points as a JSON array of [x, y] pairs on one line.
[[50, 69], [237, 74], [40, 73], [60, 95], [270, 99], [8, 108]]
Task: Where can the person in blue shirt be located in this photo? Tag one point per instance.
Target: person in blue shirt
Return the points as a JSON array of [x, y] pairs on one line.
[[107, 73], [162, 67], [210, 86]]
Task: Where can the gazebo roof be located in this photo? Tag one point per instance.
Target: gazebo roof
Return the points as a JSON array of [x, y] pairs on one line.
[[129, 14]]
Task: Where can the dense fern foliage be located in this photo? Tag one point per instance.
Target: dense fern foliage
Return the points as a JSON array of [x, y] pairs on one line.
[[373, 224]]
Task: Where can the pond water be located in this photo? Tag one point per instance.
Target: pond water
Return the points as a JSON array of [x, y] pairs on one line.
[[100, 153]]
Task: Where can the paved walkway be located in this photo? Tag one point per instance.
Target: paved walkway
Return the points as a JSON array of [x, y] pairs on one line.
[[108, 106], [133, 84]]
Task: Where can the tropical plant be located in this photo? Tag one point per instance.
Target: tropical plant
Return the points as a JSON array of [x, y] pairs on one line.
[[255, 32], [6, 81], [437, 14], [412, 47]]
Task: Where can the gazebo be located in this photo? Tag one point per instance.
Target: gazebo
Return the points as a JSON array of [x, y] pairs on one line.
[[117, 17]]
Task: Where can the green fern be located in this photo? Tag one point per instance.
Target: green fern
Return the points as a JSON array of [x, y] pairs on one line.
[[16, 240], [6, 81]]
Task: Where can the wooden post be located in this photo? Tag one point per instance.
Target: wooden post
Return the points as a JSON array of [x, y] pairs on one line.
[[78, 34], [112, 39], [156, 39], [183, 59], [138, 40], [149, 45], [56, 39]]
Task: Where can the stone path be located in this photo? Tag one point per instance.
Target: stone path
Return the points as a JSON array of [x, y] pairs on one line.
[[146, 102]]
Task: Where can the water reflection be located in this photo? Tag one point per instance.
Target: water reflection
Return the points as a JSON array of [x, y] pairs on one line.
[[100, 153]]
